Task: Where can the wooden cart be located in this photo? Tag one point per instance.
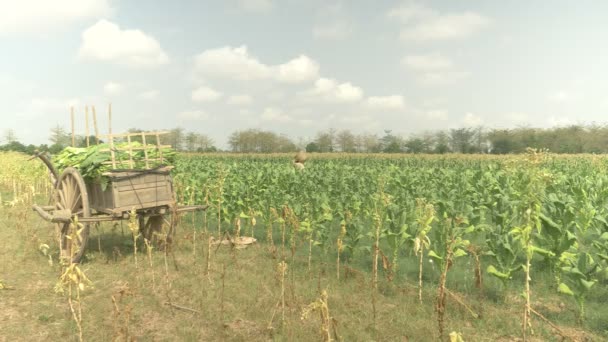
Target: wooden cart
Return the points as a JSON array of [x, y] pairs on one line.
[[149, 192]]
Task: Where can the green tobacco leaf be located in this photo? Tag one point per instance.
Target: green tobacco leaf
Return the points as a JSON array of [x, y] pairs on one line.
[[587, 284], [542, 251], [432, 254], [563, 288], [493, 271], [459, 252]]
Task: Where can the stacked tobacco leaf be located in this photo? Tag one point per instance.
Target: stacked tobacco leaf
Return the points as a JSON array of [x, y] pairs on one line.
[[93, 161]]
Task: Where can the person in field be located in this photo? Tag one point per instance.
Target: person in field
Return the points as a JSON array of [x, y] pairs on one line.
[[299, 159]]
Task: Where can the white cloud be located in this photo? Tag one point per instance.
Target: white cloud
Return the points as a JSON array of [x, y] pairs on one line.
[[229, 62], [106, 41], [421, 23], [205, 94], [298, 70], [240, 100], [256, 5], [446, 27], [35, 16], [274, 114], [193, 115], [357, 121], [517, 117], [437, 114], [560, 121], [333, 21], [433, 69], [562, 97], [427, 62], [411, 12], [442, 78], [331, 90], [333, 31], [46, 104], [113, 88], [386, 102], [149, 94], [348, 92], [471, 119], [238, 64]]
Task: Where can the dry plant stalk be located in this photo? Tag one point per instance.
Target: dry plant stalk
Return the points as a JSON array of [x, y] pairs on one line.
[[340, 247], [252, 222], [425, 214], [193, 229], [475, 250], [222, 293], [282, 271], [134, 228], [283, 228], [122, 318], [441, 292], [222, 173], [269, 230], [73, 277], [149, 248], [378, 225], [294, 225], [328, 327], [208, 267], [237, 224]]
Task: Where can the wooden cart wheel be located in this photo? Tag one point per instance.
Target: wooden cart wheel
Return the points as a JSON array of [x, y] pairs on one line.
[[154, 224], [71, 194]]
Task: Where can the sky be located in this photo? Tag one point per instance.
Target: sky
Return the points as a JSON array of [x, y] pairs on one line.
[[298, 67]]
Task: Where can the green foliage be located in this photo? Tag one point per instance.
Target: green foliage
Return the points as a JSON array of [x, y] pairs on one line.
[[93, 161]]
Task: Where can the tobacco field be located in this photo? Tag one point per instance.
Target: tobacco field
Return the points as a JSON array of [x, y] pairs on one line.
[[353, 247]]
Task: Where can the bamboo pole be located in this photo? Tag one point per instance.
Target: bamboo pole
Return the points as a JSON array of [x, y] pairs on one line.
[[159, 147], [143, 140], [130, 152], [86, 123], [72, 121], [110, 137], [95, 125], [110, 119]]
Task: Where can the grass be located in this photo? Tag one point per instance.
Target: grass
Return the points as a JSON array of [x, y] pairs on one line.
[[174, 300]]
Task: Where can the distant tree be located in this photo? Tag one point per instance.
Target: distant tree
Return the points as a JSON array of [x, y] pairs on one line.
[[346, 141], [60, 137], [204, 143], [415, 145], [14, 146], [325, 141], [190, 139], [462, 140], [482, 145], [254, 140], [176, 138], [368, 143], [502, 141], [391, 143], [442, 143], [10, 136], [81, 141], [312, 147], [137, 138]]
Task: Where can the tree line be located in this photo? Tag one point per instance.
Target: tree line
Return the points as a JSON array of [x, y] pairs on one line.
[[568, 139]]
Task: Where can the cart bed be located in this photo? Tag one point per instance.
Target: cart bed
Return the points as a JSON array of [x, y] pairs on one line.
[[139, 189]]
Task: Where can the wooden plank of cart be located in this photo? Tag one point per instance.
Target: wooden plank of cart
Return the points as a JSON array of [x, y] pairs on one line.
[[148, 191]]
